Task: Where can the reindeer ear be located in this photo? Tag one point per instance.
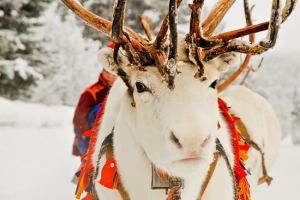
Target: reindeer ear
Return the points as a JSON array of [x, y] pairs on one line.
[[106, 59], [223, 62]]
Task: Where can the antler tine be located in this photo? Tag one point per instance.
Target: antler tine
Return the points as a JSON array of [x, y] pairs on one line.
[[195, 35], [158, 54], [248, 17], [225, 37], [195, 38], [288, 9], [163, 29], [117, 32], [173, 29], [145, 22], [195, 29], [216, 15], [269, 42], [104, 25], [171, 65], [118, 20], [247, 59], [274, 26]]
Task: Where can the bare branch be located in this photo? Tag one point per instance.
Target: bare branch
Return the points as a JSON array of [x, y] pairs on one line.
[[250, 69]]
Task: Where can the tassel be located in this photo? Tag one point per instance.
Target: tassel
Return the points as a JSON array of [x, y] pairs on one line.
[[243, 189]]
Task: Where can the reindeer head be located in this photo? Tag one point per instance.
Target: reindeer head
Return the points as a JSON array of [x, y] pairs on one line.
[[175, 127], [172, 81]]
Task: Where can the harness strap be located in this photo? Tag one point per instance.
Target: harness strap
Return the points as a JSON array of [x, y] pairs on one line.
[[123, 192], [265, 177], [246, 136], [211, 171], [221, 149]]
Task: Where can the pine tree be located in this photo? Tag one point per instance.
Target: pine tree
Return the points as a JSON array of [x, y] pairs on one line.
[[20, 65], [72, 63]]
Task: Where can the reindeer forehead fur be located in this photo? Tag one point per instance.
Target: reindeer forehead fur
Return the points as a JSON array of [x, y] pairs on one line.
[[185, 64]]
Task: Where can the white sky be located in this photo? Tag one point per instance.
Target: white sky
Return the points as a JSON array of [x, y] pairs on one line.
[[289, 32]]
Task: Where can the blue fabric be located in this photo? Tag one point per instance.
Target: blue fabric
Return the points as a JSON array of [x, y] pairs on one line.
[[83, 143], [93, 114]]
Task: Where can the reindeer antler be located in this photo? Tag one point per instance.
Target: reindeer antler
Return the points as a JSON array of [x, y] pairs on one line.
[[277, 17], [145, 22], [202, 45], [123, 35], [247, 59], [216, 15]]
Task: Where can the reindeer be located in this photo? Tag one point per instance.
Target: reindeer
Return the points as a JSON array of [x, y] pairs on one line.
[[162, 114]]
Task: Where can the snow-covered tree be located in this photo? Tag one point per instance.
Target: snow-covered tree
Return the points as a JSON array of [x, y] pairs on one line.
[[20, 65], [276, 80], [72, 62], [296, 113]]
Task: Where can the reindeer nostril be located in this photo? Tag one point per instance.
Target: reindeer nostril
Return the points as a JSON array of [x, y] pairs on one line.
[[175, 140]]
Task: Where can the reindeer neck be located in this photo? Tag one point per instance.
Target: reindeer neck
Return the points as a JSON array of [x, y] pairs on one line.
[[135, 168]]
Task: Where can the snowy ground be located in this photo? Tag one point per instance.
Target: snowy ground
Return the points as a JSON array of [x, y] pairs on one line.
[[36, 161]]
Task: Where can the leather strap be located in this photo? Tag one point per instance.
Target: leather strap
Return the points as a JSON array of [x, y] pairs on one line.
[[211, 171], [265, 177]]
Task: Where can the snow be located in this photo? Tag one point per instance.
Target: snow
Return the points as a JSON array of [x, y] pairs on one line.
[[286, 176], [35, 151], [37, 163], [21, 115]]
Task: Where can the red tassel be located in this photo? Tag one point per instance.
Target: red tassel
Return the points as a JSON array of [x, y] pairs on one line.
[[240, 149], [108, 174]]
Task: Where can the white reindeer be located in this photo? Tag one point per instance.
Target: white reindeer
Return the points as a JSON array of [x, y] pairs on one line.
[[176, 130], [173, 126]]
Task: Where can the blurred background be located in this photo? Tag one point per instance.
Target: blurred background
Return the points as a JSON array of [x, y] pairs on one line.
[[48, 57]]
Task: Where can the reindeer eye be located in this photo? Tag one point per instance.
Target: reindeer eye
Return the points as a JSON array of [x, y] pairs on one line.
[[214, 84], [141, 87]]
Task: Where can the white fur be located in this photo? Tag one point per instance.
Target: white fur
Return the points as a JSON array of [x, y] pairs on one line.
[[142, 133]]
